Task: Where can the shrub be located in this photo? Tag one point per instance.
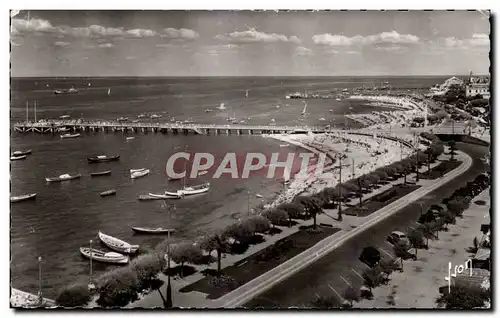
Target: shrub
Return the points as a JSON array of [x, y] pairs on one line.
[[117, 288], [147, 267], [381, 174], [258, 223], [276, 217], [75, 295], [352, 295], [294, 211], [185, 253]]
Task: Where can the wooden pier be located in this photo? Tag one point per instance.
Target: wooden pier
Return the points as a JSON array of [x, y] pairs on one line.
[[61, 126]]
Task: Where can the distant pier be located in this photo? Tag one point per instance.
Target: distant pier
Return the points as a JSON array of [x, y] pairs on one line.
[[59, 126]]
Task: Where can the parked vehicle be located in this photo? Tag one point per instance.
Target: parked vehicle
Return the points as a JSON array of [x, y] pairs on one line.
[[397, 237]]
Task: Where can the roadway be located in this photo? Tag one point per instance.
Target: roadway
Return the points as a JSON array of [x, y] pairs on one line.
[[334, 272]]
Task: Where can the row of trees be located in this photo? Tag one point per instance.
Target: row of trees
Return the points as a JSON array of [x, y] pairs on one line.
[[430, 223], [121, 286]]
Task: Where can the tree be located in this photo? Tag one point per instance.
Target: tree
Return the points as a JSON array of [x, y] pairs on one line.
[[117, 288], [382, 175], [241, 231], [401, 251], [373, 177], [147, 267], [311, 206], [373, 277], [427, 231], [457, 206], [351, 295], [74, 295], [294, 210], [258, 223], [447, 217], [416, 238], [453, 149], [276, 216], [462, 297], [185, 253], [388, 266], [216, 241]]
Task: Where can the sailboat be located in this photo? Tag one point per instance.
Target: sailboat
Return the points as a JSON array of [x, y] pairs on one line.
[[221, 106], [109, 91], [246, 93], [189, 190]]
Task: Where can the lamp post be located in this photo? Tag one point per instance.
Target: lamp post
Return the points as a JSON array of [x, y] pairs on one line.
[[90, 285], [40, 296], [168, 302], [339, 218]]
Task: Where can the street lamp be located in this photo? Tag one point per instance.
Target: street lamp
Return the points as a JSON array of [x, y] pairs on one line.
[[40, 296], [90, 285]]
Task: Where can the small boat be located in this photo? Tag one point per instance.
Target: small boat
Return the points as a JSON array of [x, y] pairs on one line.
[[23, 197], [117, 244], [146, 197], [122, 119], [130, 138], [258, 195], [135, 121], [164, 196], [208, 110], [97, 159], [104, 257], [141, 116], [64, 117], [18, 157], [146, 230], [202, 188], [63, 129], [63, 177], [108, 192], [138, 174], [66, 136], [137, 170], [283, 145], [21, 152], [155, 116], [102, 173]]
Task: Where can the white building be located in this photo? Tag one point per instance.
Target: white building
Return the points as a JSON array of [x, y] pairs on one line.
[[478, 85]]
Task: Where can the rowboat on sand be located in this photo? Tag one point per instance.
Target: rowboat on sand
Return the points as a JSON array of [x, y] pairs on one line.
[[104, 257], [117, 244]]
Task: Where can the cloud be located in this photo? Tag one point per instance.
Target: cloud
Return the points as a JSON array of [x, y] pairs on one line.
[[130, 58], [97, 31], [106, 45], [185, 34], [253, 36], [477, 40], [303, 51], [61, 44], [381, 39], [140, 33]]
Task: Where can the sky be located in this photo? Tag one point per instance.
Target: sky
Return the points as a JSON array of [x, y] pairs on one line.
[[249, 43]]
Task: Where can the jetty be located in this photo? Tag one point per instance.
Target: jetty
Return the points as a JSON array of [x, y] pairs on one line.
[[55, 127]]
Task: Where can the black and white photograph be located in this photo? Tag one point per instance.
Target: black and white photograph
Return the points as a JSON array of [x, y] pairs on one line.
[[255, 159]]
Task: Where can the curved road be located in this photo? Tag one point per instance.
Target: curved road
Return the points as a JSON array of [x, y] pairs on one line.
[[333, 272]]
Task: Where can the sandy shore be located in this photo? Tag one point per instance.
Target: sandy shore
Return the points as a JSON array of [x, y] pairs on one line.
[[364, 153]]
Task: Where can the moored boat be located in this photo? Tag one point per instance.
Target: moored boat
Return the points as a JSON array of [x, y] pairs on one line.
[[102, 158], [23, 197], [105, 257], [138, 174], [63, 177], [191, 190], [163, 196], [101, 173], [64, 117], [108, 192], [21, 152], [122, 119], [146, 197], [66, 136], [137, 170], [117, 244], [18, 157], [130, 138], [146, 230]]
